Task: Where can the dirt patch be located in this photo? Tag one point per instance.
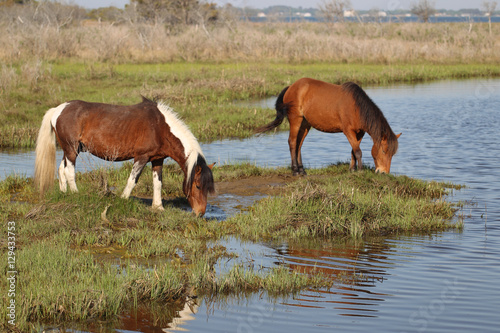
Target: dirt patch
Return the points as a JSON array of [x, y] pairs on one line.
[[266, 185], [237, 195]]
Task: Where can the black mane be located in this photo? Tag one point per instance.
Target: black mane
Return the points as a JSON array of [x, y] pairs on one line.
[[207, 180], [372, 118]]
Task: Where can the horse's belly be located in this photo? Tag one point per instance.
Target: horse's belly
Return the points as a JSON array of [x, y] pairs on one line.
[[328, 129], [325, 125], [111, 151], [323, 120]]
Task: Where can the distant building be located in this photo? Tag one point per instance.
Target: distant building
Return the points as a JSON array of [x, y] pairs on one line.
[[261, 14], [349, 13]]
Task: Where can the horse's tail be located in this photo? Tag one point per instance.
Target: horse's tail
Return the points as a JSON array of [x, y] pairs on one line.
[[281, 113], [45, 161]]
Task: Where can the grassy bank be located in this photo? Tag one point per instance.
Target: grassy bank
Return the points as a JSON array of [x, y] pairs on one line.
[[60, 237], [207, 95]]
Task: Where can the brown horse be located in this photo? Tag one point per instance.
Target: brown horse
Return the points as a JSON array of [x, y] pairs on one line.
[[332, 108], [146, 132]]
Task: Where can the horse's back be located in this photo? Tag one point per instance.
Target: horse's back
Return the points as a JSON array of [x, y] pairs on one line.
[[108, 116], [326, 106], [106, 129]]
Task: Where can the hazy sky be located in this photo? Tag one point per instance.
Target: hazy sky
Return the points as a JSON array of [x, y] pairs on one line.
[[357, 4]]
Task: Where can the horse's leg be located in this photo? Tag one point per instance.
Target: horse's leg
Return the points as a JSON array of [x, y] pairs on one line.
[[67, 174], [134, 177], [304, 129], [295, 123], [70, 174], [355, 138], [157, 178], [63, 182], [354, 158]]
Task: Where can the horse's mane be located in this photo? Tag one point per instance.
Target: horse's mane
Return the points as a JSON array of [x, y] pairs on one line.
[[192, 150], [372, 119]]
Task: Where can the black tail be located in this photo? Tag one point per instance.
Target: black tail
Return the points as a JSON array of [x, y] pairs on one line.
[[281, 113]]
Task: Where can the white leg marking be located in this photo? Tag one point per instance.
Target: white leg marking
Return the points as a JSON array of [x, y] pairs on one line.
[[132, 179], [63, 182], [157, 191], [69, 171]]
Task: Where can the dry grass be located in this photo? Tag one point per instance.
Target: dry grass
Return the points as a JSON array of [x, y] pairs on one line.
[[293, 42]]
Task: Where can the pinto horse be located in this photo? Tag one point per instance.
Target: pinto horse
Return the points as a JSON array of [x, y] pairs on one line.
[[334, 108], [146, 132]]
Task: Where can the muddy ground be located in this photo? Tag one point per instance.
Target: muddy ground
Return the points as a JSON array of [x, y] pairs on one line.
[[238, 195]]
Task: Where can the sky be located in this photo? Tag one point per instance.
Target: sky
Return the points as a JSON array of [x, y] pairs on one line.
[[356, 4]]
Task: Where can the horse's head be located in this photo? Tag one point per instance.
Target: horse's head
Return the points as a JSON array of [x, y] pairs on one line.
[[201, 185], [382, 153]]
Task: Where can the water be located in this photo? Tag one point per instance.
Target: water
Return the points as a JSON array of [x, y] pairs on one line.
[[386, 19], [446, 281]]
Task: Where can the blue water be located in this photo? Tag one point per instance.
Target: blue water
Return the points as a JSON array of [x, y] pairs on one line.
[[442, 282], [386, 19]]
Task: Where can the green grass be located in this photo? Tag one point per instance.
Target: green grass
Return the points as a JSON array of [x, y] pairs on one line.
[[206, 95], [332, 202]]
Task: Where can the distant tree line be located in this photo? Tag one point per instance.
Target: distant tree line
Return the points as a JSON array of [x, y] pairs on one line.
[[171, 12], [188, 12]]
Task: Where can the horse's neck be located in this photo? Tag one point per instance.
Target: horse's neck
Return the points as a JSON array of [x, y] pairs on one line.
[[182, 163], [179, 157]]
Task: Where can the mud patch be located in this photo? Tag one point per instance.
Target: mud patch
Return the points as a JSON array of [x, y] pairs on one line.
[[236, 196]]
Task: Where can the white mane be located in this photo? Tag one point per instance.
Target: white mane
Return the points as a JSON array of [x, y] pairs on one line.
[[178, 128]]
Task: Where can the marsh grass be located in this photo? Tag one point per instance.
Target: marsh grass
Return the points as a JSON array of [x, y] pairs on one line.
[[61, 237], [364, 203], [386, 43]]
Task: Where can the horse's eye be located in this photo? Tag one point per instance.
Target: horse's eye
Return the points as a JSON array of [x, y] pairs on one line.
[[198, 187]]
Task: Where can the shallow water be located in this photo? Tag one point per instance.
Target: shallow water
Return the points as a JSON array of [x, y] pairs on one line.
[[442, 282]]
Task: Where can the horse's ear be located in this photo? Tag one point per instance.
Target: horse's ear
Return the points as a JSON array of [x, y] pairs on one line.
[[397, 136], [197, 170], [211, 165]]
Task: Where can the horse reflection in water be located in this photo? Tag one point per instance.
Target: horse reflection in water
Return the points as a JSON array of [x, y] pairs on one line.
[[332, 108], [145, 132], [160, 317], [353, 267]]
